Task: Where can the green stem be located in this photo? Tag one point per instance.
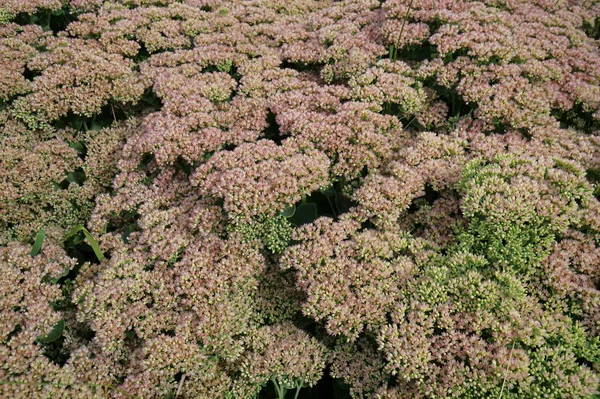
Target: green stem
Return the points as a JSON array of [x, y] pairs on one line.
[[48, 17], [395, 56], [298, 387], [280, 394], [335, 215], [506, 372], [411, 121]]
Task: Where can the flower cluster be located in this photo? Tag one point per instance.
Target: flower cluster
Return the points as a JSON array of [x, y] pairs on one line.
[[31, 173], [45, 182], [76, 76], [18, 46], [521, 64], [517, 205], [352, 278], [262, 177], [403, 193], [15, 7], [285, 354], [26, 314]]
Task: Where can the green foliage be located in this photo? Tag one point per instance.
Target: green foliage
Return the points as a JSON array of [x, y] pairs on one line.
[[272, 232], [509, 245], [93, 243], [39, 240], [6, 16], [54, 334], [55, 20], [592, 29], [305, 213], [281, 388], [288, 211]]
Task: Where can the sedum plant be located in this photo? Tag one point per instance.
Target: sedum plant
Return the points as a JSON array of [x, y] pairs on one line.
[[381, 199]]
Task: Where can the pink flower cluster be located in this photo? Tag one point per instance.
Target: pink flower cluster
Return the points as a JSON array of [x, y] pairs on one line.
[[76, 76], [437, 164], [518, 63]]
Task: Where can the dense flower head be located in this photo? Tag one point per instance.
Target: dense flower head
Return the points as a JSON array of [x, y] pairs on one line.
[[126, 30], [45, 182], [284, 353], [392, 199], [18, 46], [262, 178], [30, 7], [520, 204], [31, 171], [456, 323], [351, 278], [76, 76], [355, 137], [390, 82], [26, 314], [205, 299], [517, 64]]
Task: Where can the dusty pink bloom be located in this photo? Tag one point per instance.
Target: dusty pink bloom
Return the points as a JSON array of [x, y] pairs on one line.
[[76, 76], [285, 353], [26, 314], [351, 278], [18, 46], [518, 64], [360, 365], [30, 7], [30, 171], [525, 189], [464, 259], [261, 178], [571, 272]]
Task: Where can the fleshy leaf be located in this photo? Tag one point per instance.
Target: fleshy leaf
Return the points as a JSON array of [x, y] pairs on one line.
[[93, 243], [305, 213], [39, 240], [54, 334], [288, 211]]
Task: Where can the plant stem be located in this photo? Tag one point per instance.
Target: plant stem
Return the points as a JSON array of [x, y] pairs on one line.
[[298, 387], [506, 372], [280, 394], [180, 385], [395, 50]]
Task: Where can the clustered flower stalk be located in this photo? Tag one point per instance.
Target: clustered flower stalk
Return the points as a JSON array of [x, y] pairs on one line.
[[201, 200]]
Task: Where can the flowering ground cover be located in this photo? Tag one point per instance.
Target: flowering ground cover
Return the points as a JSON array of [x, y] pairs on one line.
[[299, 198]]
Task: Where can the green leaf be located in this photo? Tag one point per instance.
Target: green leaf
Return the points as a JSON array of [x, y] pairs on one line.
[[288, 211], [39, 240], [77, 146], [305, 213], [54, 334], [328, 191], [96, 127], [341, 390], [64, 273], [93, 243]]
